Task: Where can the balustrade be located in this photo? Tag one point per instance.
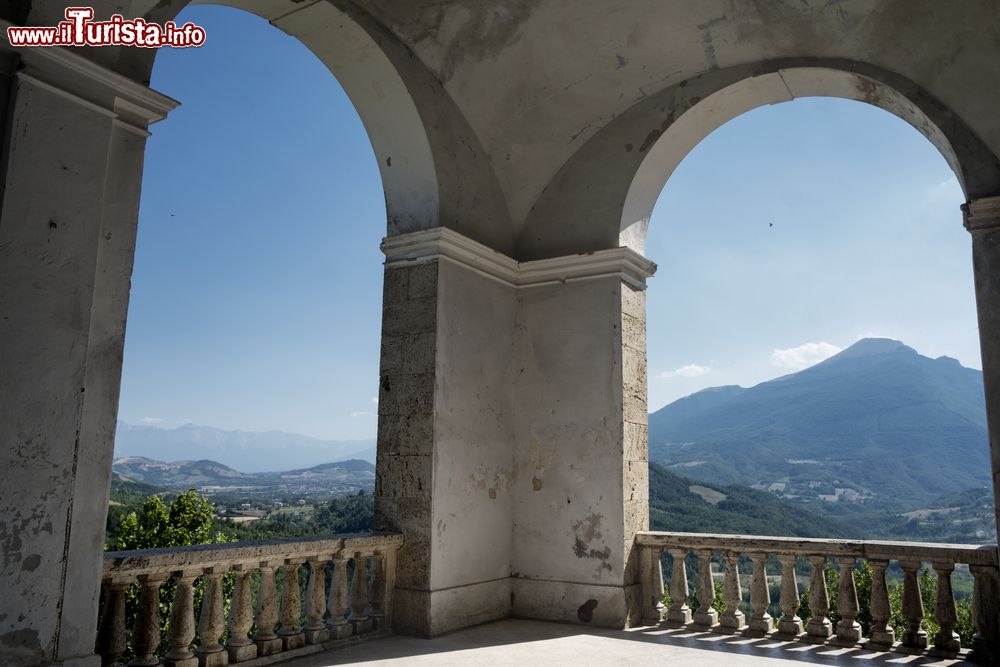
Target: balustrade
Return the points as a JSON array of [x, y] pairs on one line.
[[356, 608], [911, 556]]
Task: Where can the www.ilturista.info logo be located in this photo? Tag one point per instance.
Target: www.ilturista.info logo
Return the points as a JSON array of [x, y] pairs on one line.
[[80, 30]]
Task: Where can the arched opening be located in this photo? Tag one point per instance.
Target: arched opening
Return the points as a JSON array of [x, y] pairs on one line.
[[779, 85], [813, 252], [256, 296]]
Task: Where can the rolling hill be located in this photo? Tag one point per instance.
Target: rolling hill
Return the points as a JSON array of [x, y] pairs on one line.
[[213, 477], [684, 505], [876, 425]]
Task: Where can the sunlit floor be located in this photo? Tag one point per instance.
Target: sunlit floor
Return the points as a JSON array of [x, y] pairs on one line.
[[516, 642]]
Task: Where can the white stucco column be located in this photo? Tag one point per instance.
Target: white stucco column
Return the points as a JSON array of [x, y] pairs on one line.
[[582, 489], [67, 234], [982, 219]]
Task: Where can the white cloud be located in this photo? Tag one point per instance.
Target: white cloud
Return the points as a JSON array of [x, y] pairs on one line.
[[803, 356], [152, 421], [375, 399], [362, 414], [689, 371]]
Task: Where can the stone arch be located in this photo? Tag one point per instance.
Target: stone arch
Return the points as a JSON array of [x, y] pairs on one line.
[[640, 149], [434, 172]]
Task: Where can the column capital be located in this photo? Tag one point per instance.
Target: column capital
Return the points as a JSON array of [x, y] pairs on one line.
[[74, 77], [443, 243], [982, 215]]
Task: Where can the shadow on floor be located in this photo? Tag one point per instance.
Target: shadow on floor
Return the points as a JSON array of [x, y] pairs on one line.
[[521, 642]]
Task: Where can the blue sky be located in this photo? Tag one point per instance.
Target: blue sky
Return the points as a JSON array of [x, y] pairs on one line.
[[256, 296]]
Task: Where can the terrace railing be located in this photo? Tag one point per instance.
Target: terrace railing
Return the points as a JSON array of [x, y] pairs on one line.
[[354, 605], [982, 562]]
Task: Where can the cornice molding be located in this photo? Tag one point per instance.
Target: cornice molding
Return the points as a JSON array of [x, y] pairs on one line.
[[982, 215], [89, 83], [442, 243]]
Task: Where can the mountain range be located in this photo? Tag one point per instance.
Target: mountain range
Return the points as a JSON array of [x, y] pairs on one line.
[[249, 451], [326, 479], [877, 426]]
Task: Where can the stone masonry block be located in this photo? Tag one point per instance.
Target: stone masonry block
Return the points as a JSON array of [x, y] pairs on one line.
[[409, 316], [404, 476], [633, 332], [413, 564], [636, 481], [423, 280], [410, 354], [409, 515], [635, 443], [633, 302], [406, 434], [395, 285], [406, 394]]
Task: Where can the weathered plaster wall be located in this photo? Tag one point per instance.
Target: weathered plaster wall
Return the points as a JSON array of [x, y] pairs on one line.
[[473, 435], [581, 462]]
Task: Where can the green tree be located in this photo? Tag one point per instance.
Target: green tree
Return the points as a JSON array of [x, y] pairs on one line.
[[187, 521]]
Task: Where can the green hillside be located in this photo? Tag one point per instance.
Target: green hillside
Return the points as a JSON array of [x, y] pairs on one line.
[[683, 505]]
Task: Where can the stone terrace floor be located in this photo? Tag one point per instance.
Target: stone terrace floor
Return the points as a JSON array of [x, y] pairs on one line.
[[517, 642]]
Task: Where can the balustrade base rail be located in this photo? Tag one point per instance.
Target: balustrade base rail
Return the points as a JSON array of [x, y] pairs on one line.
[[353, 605], [847, 632]]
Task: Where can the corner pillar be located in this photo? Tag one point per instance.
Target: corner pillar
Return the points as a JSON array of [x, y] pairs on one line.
[[582, 484], [444, 470]]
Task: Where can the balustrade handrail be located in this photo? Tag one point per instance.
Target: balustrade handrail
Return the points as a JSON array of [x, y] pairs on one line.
[[137, 562], [969, 554], [357, 604], [943, 558]]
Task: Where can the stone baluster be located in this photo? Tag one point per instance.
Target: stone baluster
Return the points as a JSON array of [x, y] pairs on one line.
[[819, 628], [732, 619], [946, 640], [359, 596], [376, 611], [211, 621], [338, 602], [180, 631], [679, 612], [761, 622], [706, 616], [882, 635], [146, 635], [315, 629], [789, 625], [268, 643], [985, 614], [239, 646], [913, 607], [652, 585], [291, 608], [848, 629], [111, 632]]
